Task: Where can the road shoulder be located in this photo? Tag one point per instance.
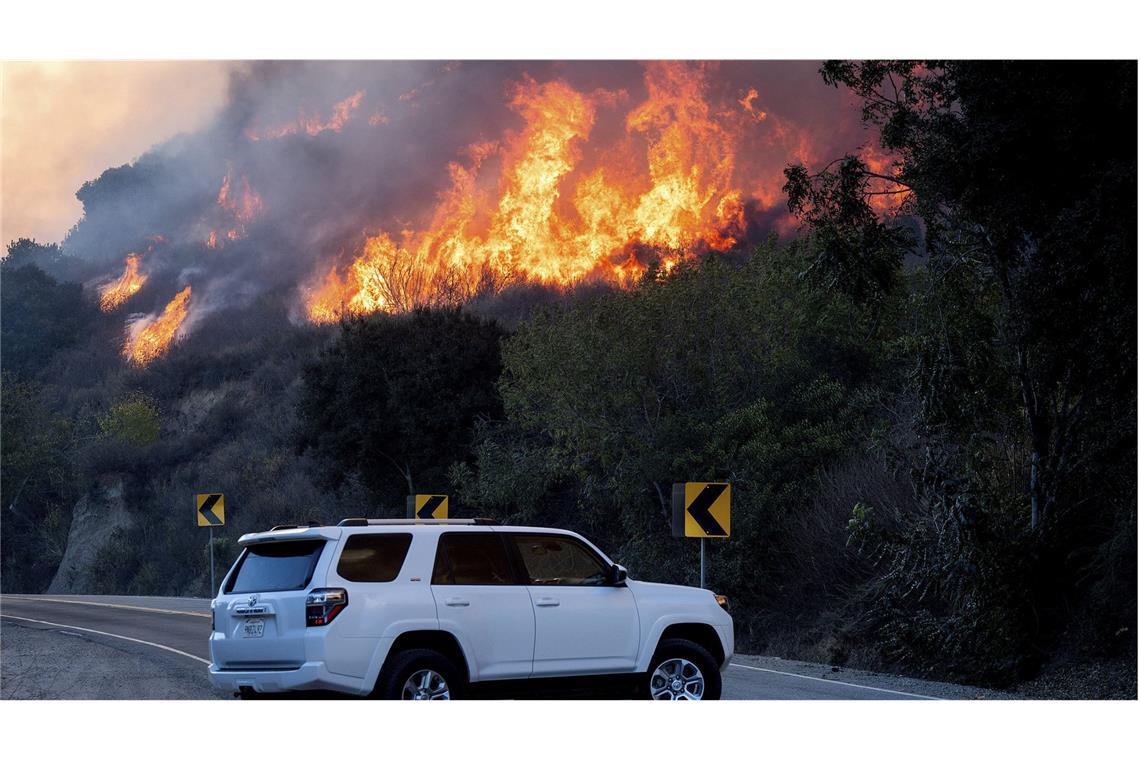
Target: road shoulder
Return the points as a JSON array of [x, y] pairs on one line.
[[46, 662], [842, 683]]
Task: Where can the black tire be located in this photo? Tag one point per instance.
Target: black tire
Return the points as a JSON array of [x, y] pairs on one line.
[[401, 666], [684, 649]]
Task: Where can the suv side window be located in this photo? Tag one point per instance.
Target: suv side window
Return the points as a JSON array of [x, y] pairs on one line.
[[472, 559], [373, 557], [551, 560]]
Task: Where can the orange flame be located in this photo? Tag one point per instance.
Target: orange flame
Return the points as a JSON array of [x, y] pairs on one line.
[[115, 294], [241, 208], [151, 339], [554, 220], [312, 124], [886, 196], [747, 104]]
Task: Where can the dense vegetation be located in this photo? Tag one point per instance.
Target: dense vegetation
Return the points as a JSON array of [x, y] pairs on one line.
[[928, 416]]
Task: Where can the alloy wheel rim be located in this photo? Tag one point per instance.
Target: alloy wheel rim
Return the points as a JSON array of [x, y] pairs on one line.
[[426, 684], [676, 679]]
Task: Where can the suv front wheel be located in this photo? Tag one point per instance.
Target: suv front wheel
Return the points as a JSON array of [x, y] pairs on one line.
[[418, 674], [684, 670]]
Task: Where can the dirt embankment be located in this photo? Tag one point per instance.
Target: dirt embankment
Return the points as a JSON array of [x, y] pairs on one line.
[[94, 521]]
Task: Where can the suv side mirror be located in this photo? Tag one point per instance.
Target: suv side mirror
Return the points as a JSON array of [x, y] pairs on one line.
[[616, 575]]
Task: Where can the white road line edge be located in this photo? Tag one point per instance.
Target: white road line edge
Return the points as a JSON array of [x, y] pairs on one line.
[[105, 604], [841, 683], [112, 635]]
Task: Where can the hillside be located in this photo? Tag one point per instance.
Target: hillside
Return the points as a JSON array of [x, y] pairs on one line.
[[918, 375]]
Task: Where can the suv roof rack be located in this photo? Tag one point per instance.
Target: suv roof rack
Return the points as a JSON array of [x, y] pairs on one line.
[[359, 522], [308, 524]]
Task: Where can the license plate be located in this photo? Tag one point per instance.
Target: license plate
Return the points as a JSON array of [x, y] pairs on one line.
[[253, 629]]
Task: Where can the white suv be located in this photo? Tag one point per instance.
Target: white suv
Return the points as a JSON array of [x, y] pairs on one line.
[[438, 609]]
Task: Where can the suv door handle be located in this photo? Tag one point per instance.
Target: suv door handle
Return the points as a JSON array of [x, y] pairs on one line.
[[546, 601], [455, 602]]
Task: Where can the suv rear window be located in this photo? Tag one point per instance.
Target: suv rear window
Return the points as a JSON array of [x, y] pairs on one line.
[[276, 566], [373, 557]]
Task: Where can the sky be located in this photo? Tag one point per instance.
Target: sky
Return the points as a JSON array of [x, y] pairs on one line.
[[63, 123]]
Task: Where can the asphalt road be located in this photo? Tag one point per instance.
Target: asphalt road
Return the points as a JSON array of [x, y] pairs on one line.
[[108, 647]]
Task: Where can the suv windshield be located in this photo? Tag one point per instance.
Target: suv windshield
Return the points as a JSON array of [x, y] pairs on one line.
[[276, 566]]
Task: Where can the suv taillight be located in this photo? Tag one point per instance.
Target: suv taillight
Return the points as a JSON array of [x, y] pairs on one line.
[[324, 604]]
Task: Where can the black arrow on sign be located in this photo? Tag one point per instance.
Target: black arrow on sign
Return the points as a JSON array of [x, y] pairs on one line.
[[207, 509], [700, 506], [428, 509]]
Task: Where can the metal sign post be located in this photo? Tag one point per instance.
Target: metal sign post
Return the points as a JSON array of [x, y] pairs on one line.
[[703, 562], [214, 590]]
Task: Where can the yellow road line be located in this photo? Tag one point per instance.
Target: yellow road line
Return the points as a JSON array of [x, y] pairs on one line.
[[105, 604]]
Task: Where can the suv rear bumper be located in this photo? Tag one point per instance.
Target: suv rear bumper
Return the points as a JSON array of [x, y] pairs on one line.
[[310, 676]]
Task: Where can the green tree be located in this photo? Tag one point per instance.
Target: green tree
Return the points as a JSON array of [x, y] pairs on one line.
[[398, 396], [38, 485], [1020, 335], [1023, 175], [25, 251], [132, 420], [38, 315]]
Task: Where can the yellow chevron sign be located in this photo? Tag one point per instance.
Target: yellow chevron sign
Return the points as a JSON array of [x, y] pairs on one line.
[[702, 510], [211, 509], [428, 506]]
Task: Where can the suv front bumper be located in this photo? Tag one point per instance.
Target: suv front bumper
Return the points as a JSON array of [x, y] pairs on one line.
[[728, 643]]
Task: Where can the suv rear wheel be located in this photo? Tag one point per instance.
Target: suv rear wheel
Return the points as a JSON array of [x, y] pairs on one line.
[[683, 670], [418, 674]]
